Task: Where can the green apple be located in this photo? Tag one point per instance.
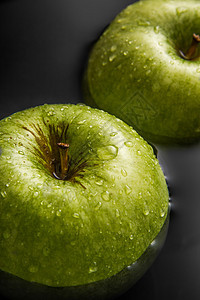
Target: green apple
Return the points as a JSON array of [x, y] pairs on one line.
[[82, 199], [145, 69]]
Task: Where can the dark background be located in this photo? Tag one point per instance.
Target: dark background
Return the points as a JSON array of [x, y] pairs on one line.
[[44, 46]]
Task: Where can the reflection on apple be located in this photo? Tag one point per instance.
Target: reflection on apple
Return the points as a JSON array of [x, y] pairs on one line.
[[145, 69], [83, 204]]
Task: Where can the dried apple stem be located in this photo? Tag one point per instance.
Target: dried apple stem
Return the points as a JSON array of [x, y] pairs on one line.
[[191, 53], [63, 148]]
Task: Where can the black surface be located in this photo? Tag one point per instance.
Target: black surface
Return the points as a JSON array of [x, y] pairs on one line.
[[43, 49]]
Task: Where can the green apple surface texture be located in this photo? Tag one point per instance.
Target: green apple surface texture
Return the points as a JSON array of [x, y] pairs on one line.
[[82, 195], [145, 69]]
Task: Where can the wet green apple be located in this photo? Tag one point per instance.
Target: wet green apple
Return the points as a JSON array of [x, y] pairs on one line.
[[145, 69], [83, 204]]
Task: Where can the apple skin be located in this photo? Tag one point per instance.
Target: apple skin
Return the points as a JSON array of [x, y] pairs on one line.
[[95, 223], [13, 287], [135, 70]]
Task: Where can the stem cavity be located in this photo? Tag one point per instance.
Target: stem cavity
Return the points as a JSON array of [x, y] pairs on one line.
[[64, 160], [192, 51]]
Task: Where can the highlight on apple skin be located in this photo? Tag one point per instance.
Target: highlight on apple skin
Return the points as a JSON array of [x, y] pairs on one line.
[[145, 69], [83, 204]]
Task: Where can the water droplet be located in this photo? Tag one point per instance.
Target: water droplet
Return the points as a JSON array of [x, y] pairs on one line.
[[146, 211], [131, 237], [113, 133], [93, 268], [128, 144], [104, 63], [106, 196], [123, 172], [123, 27], [21, 152], [162, 213], [4, 194], [148, 72], [125, 53], [100, 182], [76, 216], [81, 122], [198, 70], [50, 113], [107, 152], [33, 269], [139, 152], [36, 194], [112, 57], [49, 205], [58, 213], [98, 206], [143, 23], [181, 10], [117, 213], [128, 190], [156, 29], [113, 48]]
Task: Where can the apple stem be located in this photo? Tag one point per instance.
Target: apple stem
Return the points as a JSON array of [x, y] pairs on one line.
[[63, 148], [191, 53]]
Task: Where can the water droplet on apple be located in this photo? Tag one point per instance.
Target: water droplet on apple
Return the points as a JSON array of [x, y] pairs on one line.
[[128, 144], [21, 152], [76, 216], [113, 48], [123, 172], [33, 269], [148, 72], [143, 23], [123, 27], [58, 213], [36, 194], [4, 194], [112, 57], [162, 213], [146, 211], [107, 152], [198, 70], [100, 182], [98, 206], [128, 190], [81, 122], [181, 10], [106, 196], [156, 29], [113, 133], [93, 268], [117, 213]]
